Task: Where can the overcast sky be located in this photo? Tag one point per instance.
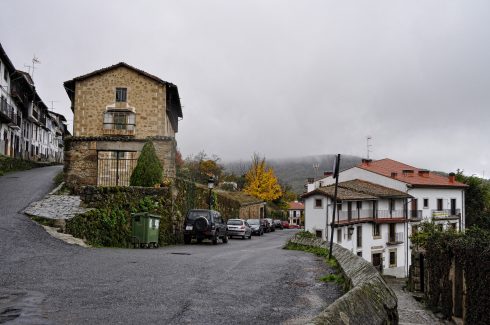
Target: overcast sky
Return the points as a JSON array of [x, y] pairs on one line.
[[285, 78]]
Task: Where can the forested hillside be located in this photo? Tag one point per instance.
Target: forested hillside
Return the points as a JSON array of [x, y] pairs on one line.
[[295, 171]]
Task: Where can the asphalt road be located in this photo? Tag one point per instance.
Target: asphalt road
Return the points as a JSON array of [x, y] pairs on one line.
[[46, 281]]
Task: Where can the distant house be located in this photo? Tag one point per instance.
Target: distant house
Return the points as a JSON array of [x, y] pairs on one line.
[[296, 211], [381, 203], [116, 110]]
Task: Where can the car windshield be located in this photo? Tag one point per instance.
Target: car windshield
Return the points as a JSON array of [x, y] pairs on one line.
[[193, 215], [235, 222], [253, 221]]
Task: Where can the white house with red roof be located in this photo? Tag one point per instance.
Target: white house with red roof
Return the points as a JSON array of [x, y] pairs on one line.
[[429, 196], [295, 211]]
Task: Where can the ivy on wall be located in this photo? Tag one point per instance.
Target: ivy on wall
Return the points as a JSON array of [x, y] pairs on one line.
[[469, 251], [109, 224]]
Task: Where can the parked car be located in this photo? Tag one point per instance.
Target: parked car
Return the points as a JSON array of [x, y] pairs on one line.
[[239, 227], [266, 225], [285, 224], [257, 226], [271, 224], [205, 224], [278, 224]]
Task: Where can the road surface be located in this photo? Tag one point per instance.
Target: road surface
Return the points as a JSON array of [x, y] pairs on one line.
[[46, 281]]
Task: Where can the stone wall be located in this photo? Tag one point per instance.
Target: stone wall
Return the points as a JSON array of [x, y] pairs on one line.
[[369, 300], [145, 97], [252, 211], [81, 162]]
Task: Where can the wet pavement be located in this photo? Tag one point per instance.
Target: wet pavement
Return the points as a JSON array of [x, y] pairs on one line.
[[44, 280]]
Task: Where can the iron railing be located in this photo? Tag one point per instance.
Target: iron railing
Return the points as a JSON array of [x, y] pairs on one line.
[[115, 171], [372, 215], [395, 238], [446, 213], [119, 126]]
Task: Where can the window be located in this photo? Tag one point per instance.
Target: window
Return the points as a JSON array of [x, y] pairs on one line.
[[426, 203], [376, 230], [392, 233], [318, 203], [359, 205], [359, 236], [121, 94], [339, 235], [359, 253], [119, 120], [319, 233], [392, 258], [439, 205], [392, 204], [339, 206]]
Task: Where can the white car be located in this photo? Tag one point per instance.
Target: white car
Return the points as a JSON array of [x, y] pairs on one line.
[[240, 228]]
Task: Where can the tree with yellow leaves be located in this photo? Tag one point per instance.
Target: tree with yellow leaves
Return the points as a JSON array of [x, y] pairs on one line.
[[261, 181]]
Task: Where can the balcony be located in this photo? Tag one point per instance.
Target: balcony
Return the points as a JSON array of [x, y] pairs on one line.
[[124, 129], [395, 238], [446, 214], [378, 216], [6, 111], [16, 121]]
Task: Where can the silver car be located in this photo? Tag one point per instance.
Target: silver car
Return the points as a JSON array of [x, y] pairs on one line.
[[240, 228]]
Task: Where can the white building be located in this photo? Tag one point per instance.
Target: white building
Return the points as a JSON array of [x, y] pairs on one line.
[[28, 130], [295, 213], [429, 196]]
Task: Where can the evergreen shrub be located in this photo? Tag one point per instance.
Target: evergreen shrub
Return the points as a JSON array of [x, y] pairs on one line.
[[149, 170]]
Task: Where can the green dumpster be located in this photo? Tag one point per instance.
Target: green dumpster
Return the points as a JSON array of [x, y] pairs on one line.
[[145, 229]]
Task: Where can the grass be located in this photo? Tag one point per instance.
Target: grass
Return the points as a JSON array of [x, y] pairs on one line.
[[322, 252]]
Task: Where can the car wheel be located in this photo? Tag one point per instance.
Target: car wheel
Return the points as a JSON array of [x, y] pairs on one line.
[[250, 236], [187, 239], [215, 240], [225, 239], [243, 237], [199, 240]]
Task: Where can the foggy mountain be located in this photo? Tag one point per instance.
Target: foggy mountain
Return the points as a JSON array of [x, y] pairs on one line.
[[295, 171]]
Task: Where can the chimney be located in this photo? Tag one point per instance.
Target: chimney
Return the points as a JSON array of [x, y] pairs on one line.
[[326, 174], [394, 174], [408, 172], [366, 162], [452, 177], [424, 173]]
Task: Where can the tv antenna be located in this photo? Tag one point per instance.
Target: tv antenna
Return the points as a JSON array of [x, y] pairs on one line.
[[315, 167], [52, 104], [368, 145], [32, 67]]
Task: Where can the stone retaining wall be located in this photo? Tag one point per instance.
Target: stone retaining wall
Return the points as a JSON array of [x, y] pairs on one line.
[[369, 300]]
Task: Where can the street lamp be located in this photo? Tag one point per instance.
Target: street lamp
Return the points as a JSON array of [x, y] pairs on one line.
[[210, 186]]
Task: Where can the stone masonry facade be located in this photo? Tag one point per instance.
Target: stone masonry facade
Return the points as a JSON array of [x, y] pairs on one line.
[[110, 131], [145, 97]]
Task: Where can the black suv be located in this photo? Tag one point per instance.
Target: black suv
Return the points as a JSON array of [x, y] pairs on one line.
[[205, 224]]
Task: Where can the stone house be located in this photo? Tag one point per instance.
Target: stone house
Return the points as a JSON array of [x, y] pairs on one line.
[[116, 110]]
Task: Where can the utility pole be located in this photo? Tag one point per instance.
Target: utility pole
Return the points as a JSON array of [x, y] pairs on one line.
[[336, 176]]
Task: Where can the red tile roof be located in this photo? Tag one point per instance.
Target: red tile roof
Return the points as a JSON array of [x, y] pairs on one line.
[[409, 174], [296, 206]]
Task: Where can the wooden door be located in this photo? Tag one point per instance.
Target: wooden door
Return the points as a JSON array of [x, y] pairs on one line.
[[377, 261]]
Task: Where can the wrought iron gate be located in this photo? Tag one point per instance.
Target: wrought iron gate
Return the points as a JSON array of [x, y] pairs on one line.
[[114, 168]]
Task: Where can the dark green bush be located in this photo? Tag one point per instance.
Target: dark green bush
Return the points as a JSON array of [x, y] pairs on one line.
[[148, 171]]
